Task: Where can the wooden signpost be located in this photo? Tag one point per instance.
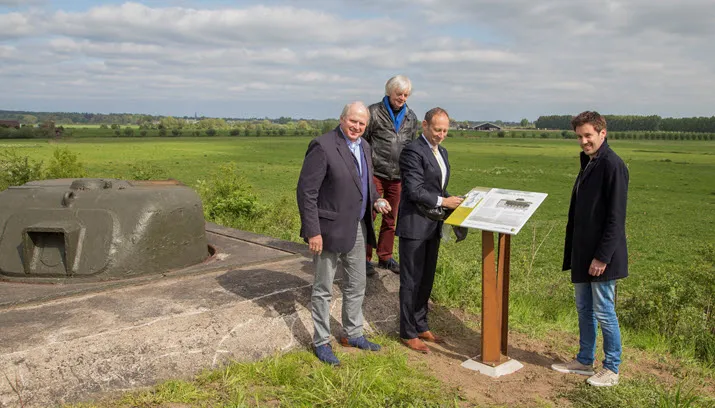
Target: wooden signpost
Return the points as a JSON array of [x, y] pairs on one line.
[[504, 212]]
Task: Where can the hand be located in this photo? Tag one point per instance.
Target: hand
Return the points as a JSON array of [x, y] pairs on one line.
[[597, 268], [316, 244], [452, 202], [382, 206]]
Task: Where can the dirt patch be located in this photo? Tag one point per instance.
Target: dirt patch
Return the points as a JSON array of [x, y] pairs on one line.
[[535, 385]]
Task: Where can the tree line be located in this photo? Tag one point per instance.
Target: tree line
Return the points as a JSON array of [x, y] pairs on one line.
[[653, 123]]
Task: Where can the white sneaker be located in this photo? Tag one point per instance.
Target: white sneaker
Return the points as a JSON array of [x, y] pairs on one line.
[[604, 378], [574, 367]]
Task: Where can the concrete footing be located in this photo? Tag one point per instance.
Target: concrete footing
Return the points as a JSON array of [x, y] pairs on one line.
[[508, 367]]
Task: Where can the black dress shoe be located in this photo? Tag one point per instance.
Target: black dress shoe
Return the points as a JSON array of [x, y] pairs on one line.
[[369, 269], [391, 264]]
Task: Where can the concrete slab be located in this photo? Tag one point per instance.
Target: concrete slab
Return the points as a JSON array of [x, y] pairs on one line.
[[508, 367], [65, 343]]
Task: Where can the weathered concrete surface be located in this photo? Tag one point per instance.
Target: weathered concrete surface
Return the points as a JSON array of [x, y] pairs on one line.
[[63, 343]]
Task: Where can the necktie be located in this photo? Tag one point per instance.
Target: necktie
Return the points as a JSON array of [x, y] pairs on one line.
[[435, 151]]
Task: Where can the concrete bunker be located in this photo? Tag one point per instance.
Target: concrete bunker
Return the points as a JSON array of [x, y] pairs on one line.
[[75, 230]]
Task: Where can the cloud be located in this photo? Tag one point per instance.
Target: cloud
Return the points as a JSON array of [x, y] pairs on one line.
[[481, 59], [255, 25], [17, 25]]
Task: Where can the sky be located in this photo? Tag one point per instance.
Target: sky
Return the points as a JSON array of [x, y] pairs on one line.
[[478, 59]]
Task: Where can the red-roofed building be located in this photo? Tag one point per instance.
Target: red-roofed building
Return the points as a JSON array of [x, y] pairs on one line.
[[10, 124]]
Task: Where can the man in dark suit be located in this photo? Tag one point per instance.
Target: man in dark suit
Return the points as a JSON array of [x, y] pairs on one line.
[[336, 196], [425, 171], [595, 248]]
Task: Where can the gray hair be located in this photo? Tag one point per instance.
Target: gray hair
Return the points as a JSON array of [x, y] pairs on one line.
[[354, 105], [399, 83]]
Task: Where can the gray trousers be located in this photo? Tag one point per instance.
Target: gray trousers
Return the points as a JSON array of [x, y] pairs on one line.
[[352, 285]]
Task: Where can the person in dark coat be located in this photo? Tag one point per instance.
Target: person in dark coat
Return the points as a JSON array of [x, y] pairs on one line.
[[392, 126], [595, 248], [425, 170], [336, 195]]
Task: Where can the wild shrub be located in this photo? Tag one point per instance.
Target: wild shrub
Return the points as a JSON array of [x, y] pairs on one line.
[[228, 198], [64, 164], [146, 171], [16, 170], [678, 305], [280, 220]]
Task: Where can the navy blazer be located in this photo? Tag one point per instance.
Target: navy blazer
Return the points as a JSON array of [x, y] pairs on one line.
[[329, 193], [597, 218], [421, 183]]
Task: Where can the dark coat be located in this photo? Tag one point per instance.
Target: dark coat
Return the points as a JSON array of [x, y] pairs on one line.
[[421, 183], [329, 193], [597, 218], [385, 142]]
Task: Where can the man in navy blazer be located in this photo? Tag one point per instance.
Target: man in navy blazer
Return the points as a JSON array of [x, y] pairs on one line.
[[425, 171], [336, 195], [595, 248]]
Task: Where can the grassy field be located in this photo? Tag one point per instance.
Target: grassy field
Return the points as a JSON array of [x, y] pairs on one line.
[[665, 306]]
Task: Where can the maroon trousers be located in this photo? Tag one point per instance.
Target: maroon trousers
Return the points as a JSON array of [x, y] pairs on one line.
[[390, 190]]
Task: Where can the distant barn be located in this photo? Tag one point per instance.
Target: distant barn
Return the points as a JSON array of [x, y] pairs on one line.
[[487, 126], [10, 124]]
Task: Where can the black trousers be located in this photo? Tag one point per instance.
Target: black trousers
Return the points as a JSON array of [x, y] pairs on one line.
[[418, 262]]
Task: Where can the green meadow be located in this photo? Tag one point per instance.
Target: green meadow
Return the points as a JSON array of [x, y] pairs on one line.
[[666, 306]]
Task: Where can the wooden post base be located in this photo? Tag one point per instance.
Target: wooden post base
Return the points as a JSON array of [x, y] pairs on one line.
[[495, 300]]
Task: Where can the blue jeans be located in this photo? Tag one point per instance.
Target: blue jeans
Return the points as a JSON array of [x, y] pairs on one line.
[[595, 303]]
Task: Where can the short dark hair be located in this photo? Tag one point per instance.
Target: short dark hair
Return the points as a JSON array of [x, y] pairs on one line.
[[592, 118], [434, 112]]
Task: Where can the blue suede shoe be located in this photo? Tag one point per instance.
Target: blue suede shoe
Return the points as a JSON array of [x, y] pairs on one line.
[[325, 354], [360, 342]]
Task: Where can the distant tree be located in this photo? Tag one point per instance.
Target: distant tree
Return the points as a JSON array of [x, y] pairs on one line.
[[302, 127], [128, 132], [47, 128], [29, 119], [328, 125], [524, 122]]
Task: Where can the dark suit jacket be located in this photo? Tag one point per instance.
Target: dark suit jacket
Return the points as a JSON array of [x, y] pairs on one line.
[[329, 193], [597, 218], [421, 183]]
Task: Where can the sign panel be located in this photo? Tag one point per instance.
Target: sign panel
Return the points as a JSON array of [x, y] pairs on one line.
[[496, 209]]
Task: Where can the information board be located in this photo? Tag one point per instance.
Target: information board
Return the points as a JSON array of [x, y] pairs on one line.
[[496, 209]]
